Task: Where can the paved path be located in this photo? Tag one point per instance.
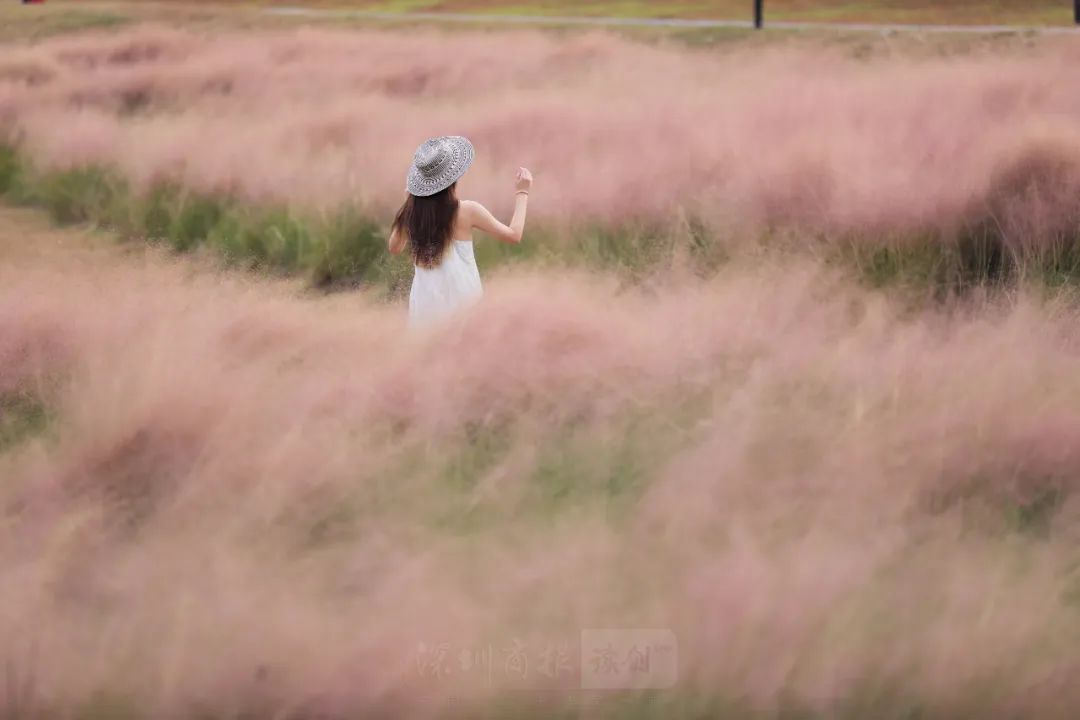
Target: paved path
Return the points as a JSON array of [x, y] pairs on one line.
[[662, 22]]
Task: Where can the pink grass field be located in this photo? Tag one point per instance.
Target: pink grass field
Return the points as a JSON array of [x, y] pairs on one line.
[[224, 498], [248, 502], [616, 132]]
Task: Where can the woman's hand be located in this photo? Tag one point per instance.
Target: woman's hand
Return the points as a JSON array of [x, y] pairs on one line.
[[523, 180]]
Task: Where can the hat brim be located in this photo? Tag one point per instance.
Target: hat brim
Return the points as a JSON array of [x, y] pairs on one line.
[[462, 155]]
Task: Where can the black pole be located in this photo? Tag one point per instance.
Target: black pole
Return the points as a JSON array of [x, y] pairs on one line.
[[1076, 11], [759, 13]]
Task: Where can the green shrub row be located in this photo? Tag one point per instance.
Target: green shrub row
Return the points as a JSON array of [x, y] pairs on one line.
[[347, 248], [343, 247]]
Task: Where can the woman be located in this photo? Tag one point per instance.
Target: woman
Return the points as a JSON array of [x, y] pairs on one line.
[[438, 229]]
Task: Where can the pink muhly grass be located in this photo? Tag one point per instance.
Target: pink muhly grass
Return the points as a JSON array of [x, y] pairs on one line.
[[250, 502], [617, 132]]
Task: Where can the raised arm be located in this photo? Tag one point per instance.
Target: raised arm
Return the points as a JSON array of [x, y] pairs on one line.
[[483, 220]]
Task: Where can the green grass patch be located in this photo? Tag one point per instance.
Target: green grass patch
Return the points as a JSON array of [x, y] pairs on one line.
[[35, 22], [9, 169], [341, 248], [22, 416], [979, 257], [997, 501], [576, 463], [86, 194], [182, 219]]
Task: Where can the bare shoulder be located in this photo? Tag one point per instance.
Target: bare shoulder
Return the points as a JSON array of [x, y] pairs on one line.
[[472, 213], [469, 207]]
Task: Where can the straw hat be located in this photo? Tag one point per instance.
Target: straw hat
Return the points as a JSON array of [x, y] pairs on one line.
[[438, 164]]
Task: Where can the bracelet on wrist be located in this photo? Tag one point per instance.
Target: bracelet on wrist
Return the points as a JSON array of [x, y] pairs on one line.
[[522, 192]]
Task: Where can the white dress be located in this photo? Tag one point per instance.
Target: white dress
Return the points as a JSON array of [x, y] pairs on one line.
[[440, 291]]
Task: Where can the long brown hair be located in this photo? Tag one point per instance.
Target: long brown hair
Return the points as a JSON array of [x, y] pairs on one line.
[[428, 222]]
